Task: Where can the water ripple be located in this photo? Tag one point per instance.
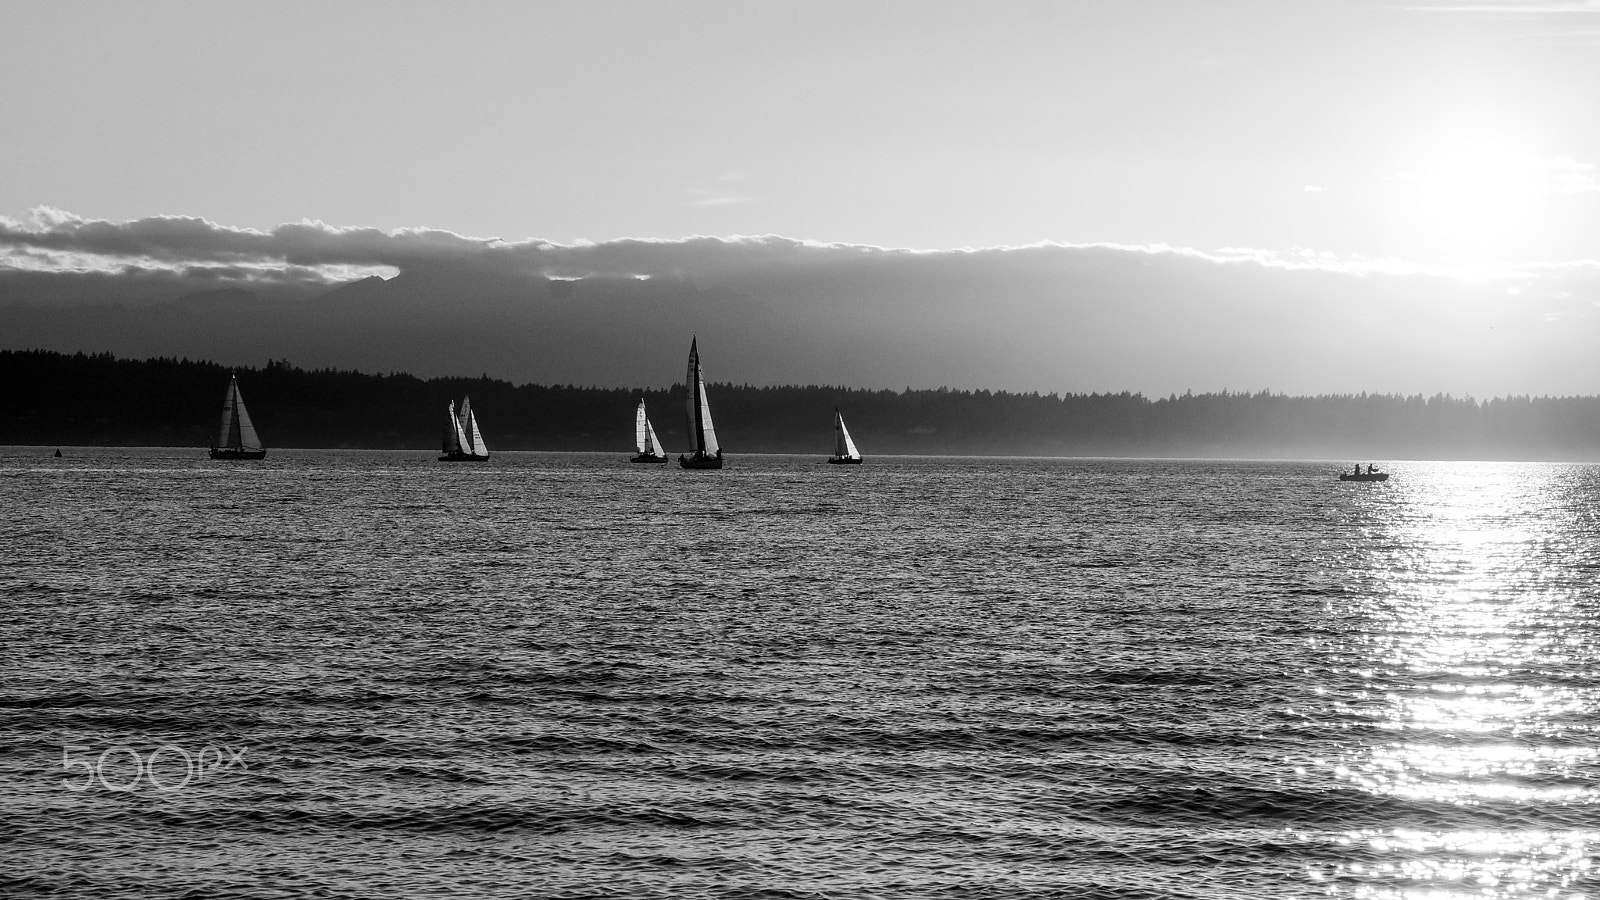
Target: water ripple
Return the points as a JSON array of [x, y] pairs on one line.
[[366, 675]]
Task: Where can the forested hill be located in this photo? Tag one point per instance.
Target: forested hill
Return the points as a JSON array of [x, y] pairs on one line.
[[57, 399]]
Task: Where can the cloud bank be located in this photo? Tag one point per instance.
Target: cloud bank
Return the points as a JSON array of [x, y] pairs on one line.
[[768, 309]]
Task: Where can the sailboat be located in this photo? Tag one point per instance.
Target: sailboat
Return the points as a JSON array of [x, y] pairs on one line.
[[844, 449], [463, 442], [702, 436], [645, 440], [237, 438]]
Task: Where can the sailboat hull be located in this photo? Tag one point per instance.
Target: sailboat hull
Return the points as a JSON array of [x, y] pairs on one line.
[[463, 457], [648, 458], [230, 453], [844, 460], [700, 461]]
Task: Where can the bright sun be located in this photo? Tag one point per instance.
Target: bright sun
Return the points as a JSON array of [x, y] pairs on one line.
[[1475, 198]]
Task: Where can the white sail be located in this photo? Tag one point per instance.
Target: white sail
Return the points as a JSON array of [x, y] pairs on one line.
[[643, 437], [708, 432], [843, 447], [237, 431], [652, 444], [228, 433], [472, 438], [702, 434], [453, 438]]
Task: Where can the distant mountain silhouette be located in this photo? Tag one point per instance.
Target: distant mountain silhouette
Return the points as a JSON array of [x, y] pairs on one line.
[[773, 311], [598, 331], [208, 299]]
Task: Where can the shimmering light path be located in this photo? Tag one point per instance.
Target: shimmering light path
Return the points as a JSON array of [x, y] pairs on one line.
[[1478, 628]]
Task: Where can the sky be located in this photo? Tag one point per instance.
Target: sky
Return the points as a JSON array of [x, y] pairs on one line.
[[1398, 162]]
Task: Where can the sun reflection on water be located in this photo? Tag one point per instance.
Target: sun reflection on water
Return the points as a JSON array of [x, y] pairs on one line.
[[1474, 687]]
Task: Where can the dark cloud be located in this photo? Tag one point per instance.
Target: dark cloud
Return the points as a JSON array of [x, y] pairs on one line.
[[775, 310]]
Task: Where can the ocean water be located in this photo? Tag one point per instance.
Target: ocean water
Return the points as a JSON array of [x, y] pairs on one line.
[[369, 674]]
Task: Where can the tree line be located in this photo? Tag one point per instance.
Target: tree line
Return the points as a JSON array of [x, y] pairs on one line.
[[98, 399]]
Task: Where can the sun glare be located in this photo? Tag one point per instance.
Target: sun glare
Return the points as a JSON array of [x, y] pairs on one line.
[[1467, 683], [1475, 197]]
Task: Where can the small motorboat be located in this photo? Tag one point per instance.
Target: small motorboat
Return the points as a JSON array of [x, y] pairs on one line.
[[1371, 474]]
